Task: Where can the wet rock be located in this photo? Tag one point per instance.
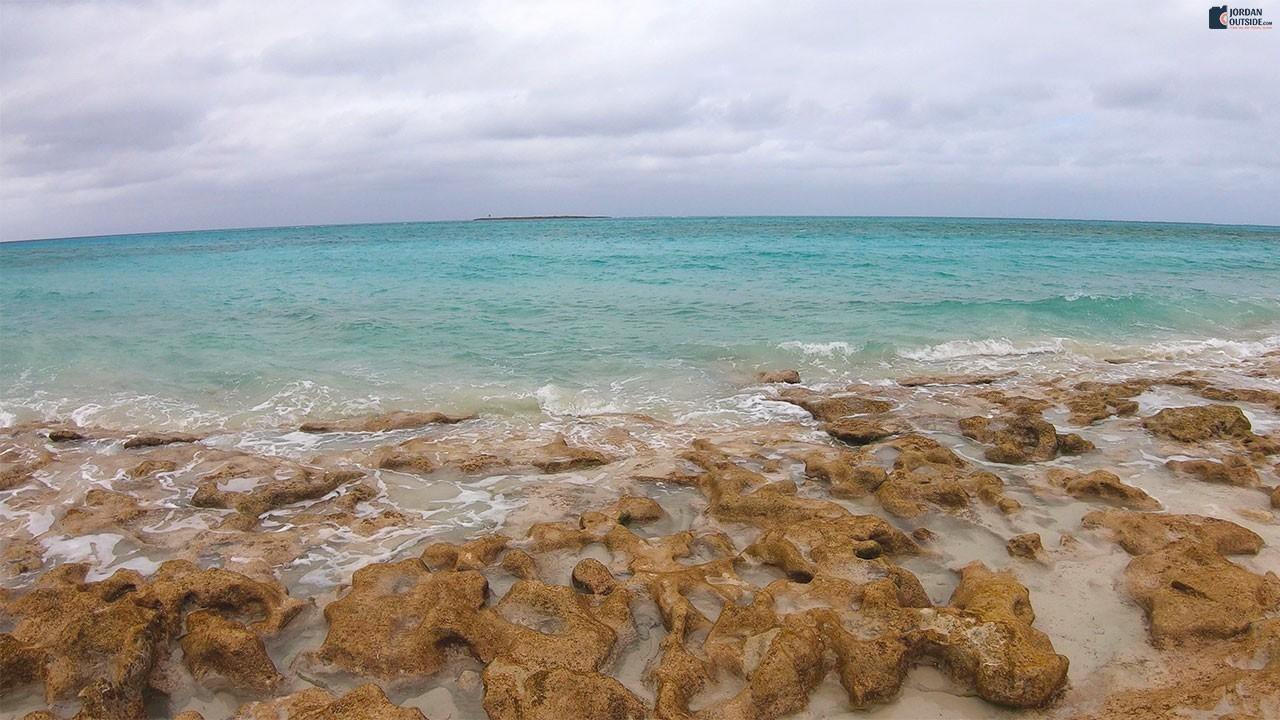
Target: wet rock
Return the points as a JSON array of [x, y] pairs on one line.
[[103, 641], [1101, 485], [791, 377], [20, 554], [860, 431], [1242, 674], [1008, 661], [558, 456], [957, 379], [1094, 401], [146, 440], [850, 475], [803, 549], [1180, 577], [384, 422], [366, 702], [150, 468], [252, 485], [1249, 395], [101, 511], [1026, 545], [1203, 423], [97, 643], [19, 462], [1140, 532], [389, 626], [927, 473], [1017, 404], [1020, 439], [20, 663], [474, 554], [1233, 470], [591, 576], [1191, 592], [910, 493], [830, 408], [517, 692], [216, 648]]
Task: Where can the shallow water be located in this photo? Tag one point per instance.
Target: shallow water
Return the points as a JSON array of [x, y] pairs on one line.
[[252, 328]]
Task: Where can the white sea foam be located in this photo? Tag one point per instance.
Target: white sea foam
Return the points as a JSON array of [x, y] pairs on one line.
[[1228, 349], [822, 349], [990, 347], [556, 400]]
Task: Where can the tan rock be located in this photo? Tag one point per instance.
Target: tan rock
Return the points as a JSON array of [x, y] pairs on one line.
[[215, 648], [849, 474], [860, 431], [1191, 592], [1141, 532], [366, 702], [1019, 439], [1101, 485], [558, 456], [383, 422], [517, 692], [1233, 470], [146, 440], [1204, 423], [957, 379], [789, 376], [1026, 545]]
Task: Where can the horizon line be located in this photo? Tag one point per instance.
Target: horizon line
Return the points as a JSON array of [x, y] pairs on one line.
[[563, 217]]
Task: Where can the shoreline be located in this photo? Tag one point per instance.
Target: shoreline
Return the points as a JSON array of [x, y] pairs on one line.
[[689, 519]]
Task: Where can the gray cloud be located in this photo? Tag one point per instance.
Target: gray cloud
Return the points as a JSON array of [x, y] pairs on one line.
[[121, 117]]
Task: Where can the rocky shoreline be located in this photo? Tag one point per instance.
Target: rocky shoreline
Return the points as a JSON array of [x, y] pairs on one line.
[[974, 545]]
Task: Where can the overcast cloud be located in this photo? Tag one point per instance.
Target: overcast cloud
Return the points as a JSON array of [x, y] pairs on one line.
[[138, 116]]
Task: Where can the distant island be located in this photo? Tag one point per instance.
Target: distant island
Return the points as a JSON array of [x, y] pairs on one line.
[[543, 217]]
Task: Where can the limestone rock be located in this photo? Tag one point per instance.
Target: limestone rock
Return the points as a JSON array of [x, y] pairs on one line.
[[366, 702], [1026, 545], [146, 440], [1101, 485], [558, 456], [850, 475], [788, 376], [384, 422], [1022, 438], [516, 692], [957, 379], [1141, 532], [1203, 423], [860, 431], [1191, 592], [830, 408], [1094, 401], [1233, 470], [216, 647]]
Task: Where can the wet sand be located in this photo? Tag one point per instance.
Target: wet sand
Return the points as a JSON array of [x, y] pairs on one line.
[[862, 549]]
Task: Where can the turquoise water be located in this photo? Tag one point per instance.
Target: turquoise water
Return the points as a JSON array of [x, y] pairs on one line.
[[251, 326]]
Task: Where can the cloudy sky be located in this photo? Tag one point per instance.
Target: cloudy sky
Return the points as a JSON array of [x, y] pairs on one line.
[[138, 116]]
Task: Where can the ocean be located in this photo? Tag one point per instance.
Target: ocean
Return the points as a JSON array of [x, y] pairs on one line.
[[253, 328]]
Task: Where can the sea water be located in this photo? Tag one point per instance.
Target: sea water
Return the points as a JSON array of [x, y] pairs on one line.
[[255, 328]]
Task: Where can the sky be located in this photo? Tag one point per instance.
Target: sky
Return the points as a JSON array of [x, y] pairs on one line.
[[142, 116]]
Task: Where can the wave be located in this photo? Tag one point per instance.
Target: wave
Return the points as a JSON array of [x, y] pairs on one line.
[[822, 349], [556, 400], [990, 347], [1233, 349]]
